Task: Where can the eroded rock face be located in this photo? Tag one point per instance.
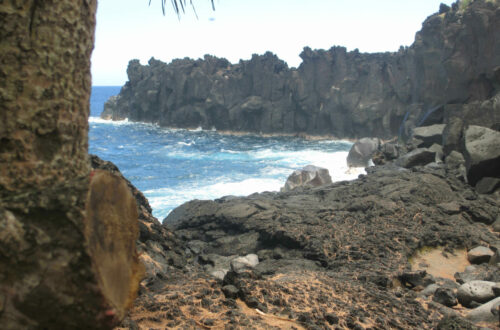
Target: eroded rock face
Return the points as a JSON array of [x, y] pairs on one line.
[[344, 94]]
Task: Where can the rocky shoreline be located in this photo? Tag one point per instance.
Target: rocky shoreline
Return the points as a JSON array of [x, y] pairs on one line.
[[409, 245], [413, 244]]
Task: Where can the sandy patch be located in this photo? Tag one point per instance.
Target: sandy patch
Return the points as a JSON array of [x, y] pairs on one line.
[[439, 263]]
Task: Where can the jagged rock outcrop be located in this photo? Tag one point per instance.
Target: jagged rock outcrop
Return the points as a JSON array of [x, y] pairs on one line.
[[452, 67]]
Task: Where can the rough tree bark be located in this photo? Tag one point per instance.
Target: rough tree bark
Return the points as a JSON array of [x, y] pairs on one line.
[[59, 268]]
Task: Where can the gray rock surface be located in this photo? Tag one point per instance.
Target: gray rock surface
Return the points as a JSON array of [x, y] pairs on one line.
[[429, 135], [496, 224], [388, 151], [455, 159], [429, 290], [438, 149], [230, 291], [452, 133], [240, 263], [445, 296], [417, 157], [479, 255], [475, 291], [485, 313], [309, 176], [487, 185], [482, 153], [483, 272], [362, 151]]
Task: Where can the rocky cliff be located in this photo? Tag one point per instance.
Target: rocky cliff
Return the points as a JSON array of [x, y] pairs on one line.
[[454, 61]]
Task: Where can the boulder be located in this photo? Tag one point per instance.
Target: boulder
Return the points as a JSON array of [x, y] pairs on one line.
[[479, 255], [452, 135], [429, 290], [454, 159], [439, 152], [445, 296], [496, 289], [309, 176], [388, 151], [450, 207], [240, 263], [218, 273], [230, 291], [215, 265], [362, 151], [475, 291], [487, 313], [429, 135], [414, 279], [452, 321], [482, 153], [495, 258], [487, 185], [483, 272], [496, 225], [417, 157]]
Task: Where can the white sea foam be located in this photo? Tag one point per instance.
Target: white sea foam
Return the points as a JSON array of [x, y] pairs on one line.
[[187, 144], [163, 200], [270, 178], [98, 120]]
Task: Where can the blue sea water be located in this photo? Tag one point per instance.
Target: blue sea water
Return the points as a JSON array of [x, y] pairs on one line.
[[172, 166]]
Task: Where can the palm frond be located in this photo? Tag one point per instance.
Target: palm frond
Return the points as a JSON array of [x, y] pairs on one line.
[[180, 5], [194, 9]]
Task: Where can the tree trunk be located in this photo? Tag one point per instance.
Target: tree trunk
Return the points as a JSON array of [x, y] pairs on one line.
[[58, 267]]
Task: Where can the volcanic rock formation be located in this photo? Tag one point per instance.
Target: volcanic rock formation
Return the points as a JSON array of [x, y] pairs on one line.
[[452, 69]]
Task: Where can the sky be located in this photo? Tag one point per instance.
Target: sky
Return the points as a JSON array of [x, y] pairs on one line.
[[132, 29]]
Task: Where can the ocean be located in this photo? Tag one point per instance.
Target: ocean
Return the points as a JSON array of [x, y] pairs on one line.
[[173, 166]]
